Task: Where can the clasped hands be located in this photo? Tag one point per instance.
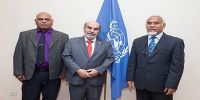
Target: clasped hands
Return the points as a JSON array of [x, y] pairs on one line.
[[87, 73]]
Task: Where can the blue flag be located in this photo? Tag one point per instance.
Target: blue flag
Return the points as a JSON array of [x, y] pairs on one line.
[[113, 29]]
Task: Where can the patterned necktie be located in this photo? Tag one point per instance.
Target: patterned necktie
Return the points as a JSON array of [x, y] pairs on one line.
[[89, 48], [151, 46]]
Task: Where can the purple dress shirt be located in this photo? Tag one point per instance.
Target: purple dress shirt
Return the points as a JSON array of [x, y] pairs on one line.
[[48, 38]]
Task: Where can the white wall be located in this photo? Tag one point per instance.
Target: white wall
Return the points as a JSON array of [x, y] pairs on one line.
[[181, 16]]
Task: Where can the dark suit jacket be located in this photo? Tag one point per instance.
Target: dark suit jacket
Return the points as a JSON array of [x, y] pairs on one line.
[[163, 69], [75, 57], [25, 54]]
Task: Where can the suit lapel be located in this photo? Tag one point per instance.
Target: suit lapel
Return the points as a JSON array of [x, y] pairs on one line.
[[33, 37], [82, 43], [163, 40], [145, 46], [55, 38], [97, 47]]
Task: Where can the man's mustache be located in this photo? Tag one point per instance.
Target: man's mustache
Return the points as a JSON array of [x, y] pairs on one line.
[[91, 34]]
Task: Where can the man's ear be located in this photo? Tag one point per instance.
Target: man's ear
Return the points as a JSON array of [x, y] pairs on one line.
[[164, 25]]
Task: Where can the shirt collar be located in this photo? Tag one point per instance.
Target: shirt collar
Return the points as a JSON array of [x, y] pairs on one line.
[[93, 41], [48, 32], [157, 36]]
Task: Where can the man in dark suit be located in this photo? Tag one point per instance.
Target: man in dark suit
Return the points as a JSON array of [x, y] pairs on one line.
[[156, 63], [87, 58], [38, 60]]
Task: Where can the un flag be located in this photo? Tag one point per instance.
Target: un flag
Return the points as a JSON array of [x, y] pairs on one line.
[[113, 29]]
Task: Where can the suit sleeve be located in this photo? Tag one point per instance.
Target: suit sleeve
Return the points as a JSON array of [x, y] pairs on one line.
[[65, 40], [18, 64], [70, 64], [176, 66], [108, 60], [131, 64]]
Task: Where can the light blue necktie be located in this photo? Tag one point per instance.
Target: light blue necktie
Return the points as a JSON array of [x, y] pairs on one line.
[[151, 46]]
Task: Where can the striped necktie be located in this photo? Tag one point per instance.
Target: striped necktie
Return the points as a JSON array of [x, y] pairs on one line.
[[151, 46]]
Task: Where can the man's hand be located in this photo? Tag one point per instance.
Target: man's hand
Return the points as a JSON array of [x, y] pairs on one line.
[[131, 85], [82, 73], [20, 77], [62, 77], [92, 73], [169, 91]]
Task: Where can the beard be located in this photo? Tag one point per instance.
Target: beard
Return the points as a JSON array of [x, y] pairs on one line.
[[90, 36], [152, 33]]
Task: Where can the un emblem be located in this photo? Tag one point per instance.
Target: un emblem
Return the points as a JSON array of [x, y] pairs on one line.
[[117, 39]]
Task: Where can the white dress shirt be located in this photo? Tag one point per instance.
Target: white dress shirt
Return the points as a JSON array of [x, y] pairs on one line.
[[93, 43]]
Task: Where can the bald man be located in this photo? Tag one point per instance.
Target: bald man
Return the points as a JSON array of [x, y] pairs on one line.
[[156, 63], [87, 58], [38, 60]]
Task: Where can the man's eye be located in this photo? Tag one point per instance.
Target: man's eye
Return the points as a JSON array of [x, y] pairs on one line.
[[40, 19], [96, 29], [89, 27]]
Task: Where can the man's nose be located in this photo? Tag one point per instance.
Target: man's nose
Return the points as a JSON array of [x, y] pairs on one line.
[[44, 21], [92, 30], [152, 25]]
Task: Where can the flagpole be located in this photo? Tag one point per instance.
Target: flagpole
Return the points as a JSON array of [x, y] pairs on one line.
[[105, 86]]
